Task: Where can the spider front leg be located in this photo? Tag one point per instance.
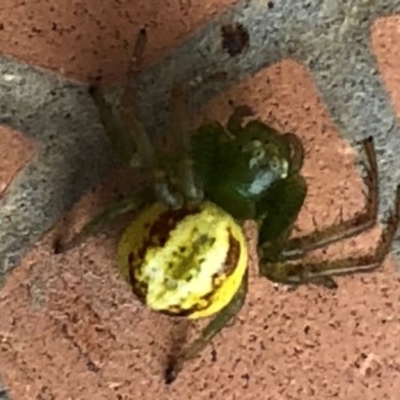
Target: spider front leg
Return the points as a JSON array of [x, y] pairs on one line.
[[128, 139], [183, 147], [131, 133], [123, 145], [130, 204], [215, 326]]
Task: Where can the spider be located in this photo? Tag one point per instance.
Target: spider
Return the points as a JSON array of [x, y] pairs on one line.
[[184, 252]]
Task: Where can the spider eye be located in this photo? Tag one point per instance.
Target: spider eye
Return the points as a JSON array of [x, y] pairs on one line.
[[280, 166]]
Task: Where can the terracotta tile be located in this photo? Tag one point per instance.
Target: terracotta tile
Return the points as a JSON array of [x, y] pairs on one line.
[[385, 35], [90, 40], [69, 327]]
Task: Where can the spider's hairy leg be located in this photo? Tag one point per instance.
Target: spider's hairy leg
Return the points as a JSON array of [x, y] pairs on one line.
[[121, 139], [183, 144], [277, 212], [129, 204], [147, 153], [298, 273], [297, 247], [208, 333], [127, 136], [123, 145]]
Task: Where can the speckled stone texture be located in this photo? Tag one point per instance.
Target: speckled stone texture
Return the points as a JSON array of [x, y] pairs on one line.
[[69, 327]]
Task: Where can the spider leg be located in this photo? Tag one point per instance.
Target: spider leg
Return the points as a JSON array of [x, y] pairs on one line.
[[163, 188], [122, 140], [94, 226], [298, 247], [128, 135], [208, 333], [183, 151], [298, 273], [124, 147]]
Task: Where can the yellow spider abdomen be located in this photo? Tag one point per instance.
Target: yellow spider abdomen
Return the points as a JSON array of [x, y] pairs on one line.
[[184, 262]]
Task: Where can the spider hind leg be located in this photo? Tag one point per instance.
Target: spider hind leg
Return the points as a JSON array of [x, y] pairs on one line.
[[298, 247], [303, 272]]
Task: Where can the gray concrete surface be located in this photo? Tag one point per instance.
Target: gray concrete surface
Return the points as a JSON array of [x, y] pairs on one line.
[[3, 393], [332, 40], [331, 37], [72, 154]]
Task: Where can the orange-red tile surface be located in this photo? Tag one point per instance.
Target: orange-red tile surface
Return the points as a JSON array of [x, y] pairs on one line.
[[90, 39], [69, 327]]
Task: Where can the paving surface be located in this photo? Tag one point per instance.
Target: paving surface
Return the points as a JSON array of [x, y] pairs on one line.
[[324, 69]]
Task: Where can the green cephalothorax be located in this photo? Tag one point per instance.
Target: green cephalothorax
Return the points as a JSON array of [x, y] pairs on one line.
[[184, 252], [237, 167]]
